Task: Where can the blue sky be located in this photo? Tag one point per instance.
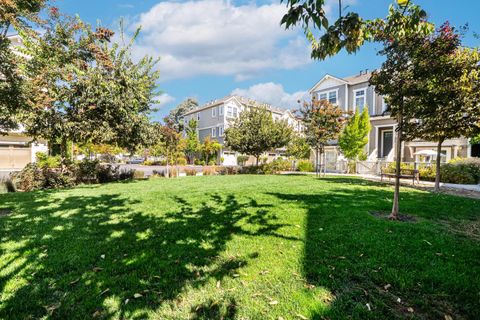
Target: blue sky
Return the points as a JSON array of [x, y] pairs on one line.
[[212, 48]]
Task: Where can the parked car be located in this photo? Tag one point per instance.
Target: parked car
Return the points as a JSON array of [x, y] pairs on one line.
[[135, 160]]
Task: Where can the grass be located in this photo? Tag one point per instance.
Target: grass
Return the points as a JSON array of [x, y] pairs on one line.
[[243, 247]]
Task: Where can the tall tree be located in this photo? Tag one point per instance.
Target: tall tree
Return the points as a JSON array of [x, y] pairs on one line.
[[255, 132], [447, 81], [18, 15], [192, 143], [82, 88], [354, 136], [175, 116], [323, 123]]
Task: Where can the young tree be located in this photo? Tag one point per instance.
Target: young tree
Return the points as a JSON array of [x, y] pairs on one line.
[[166, 142], [209, 148], [192, 142], [323, 123], [255, 132], [447, 77], [298, 147], [82, 88], [354, 136], [175, 116]]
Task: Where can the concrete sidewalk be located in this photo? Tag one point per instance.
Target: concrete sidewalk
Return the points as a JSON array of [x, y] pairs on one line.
[[404, 182]]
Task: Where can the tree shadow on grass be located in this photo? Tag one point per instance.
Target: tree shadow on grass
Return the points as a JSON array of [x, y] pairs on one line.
[[364, 260], [95, 256]]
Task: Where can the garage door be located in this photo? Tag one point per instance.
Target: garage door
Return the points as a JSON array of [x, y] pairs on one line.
[[229, 158], [14, 157]]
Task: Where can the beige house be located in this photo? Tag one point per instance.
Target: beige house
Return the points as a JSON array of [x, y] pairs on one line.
[[17, 150], [355, 92]]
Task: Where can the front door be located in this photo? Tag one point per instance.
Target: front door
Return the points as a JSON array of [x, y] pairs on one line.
[[387, 142]]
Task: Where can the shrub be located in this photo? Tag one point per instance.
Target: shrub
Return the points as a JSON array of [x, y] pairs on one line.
[[46, 161], [212, 163], [209, 171], [252, 170], [108, 173], [148, 163], [228, 170], [190, 172], [222, 160], [241, 160], [305, 166], [181, 161], [32, 177], [86, 171], [126, 174]]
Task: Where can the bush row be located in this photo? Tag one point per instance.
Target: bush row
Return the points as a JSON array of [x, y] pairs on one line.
[[458, 171]]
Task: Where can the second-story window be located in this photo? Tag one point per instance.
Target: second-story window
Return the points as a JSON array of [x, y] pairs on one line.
[[232, 112], [220, 111], [214, 132], [360, 99], [214, 111], [198, 116]]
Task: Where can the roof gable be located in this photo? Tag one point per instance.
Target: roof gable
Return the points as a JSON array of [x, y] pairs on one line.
[[326, 82]]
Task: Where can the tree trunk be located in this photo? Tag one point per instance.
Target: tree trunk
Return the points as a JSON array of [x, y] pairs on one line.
[[398, 161], [257, 157], [437, 165], [167, 172], [316, 162]]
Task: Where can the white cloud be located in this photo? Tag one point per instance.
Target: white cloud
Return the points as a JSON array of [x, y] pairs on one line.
[[274, 94], [163, 100], [218, 37]]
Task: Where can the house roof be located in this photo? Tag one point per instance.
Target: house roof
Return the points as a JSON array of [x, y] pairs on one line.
[[240, 100], [350, 80]]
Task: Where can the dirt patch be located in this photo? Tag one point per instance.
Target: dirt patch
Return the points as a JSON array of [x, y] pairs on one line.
[[468, 228], [386, 216], [5, 212]]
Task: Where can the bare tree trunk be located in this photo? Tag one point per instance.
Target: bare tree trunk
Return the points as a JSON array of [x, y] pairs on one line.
[[167, 171], [398, 155], [257, 157], [437, 165], [316, 162]]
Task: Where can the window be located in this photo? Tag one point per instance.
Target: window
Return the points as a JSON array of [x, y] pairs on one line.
[[330, 96], [220, 111], [360, 97], [232, 112], [220, 131], [198, 116], [214, 111], [214, 132]]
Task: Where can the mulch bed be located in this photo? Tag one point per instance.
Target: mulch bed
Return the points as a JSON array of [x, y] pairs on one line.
[[401, 217]]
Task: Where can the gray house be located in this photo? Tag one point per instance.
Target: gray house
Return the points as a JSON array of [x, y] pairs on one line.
[[214, 117], [355, 92]]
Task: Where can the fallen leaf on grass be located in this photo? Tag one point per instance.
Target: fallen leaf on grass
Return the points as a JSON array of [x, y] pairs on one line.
[[74, 281], [273, 302], [126, 301], [429, 243], [448, 317], [387, 286], [102, 256], [399, 300], [368, 307], [264, 272], [97, 314], [97, 269], [410, 309], [218, 284], [236, 275], [137, 295], [301, 316]]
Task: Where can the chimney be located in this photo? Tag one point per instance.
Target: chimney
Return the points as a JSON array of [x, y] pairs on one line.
[[366, 71]]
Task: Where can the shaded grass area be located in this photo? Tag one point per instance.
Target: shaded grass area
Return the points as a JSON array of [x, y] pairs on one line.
[[238, 247]]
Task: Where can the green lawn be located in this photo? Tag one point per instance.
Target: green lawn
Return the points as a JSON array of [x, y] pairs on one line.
[[243, 247]]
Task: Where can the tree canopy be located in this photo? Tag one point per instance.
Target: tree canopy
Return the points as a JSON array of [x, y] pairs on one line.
[[83, 88], [175, 116], [255, 132]]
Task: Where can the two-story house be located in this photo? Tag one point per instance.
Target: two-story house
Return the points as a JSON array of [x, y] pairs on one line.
[[353, 93], [214, 117], [16, 149]]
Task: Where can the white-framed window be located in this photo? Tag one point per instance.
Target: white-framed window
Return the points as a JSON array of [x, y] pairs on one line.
[[214, 111], [360, 99], [220, 131], [330, 96], [232, 112], [198, 116], [214, 132], [220, 111]]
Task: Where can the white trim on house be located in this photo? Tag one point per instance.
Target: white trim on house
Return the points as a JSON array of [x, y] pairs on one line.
[[347, 107], [377, 133], [327, 93]]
